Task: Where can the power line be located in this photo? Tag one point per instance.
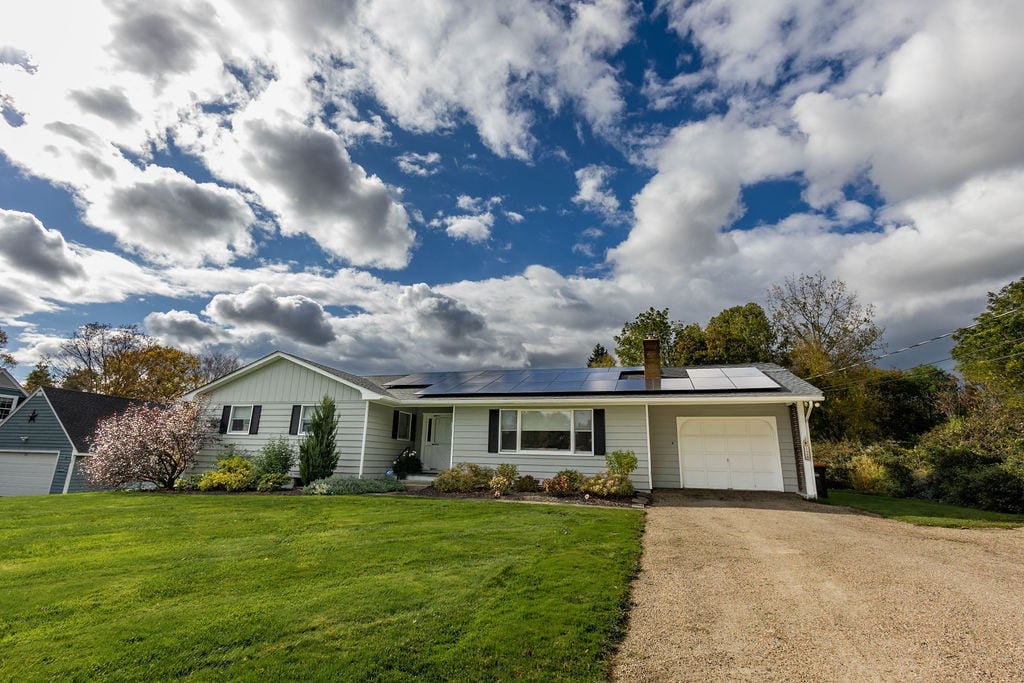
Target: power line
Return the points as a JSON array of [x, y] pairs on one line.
[[914, 346], [886, 380]]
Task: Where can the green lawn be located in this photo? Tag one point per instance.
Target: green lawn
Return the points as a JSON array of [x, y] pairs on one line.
[[156, 586], [924, 512]]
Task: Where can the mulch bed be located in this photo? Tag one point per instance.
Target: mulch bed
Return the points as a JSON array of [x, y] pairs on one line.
[[537, 497]]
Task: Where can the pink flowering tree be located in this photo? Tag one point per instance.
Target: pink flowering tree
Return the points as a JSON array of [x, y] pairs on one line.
[[148, 443]]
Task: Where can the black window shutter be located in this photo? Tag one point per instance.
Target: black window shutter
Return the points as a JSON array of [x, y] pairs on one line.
[[394, 425], [412, 427], [224, 417], [254, 424], [293, 427], [599, 431], [492, 431]]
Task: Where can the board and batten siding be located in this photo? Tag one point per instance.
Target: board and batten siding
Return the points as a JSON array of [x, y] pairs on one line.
[[381, 449], [277, 387], [664, 438], [625, 429], [44, 434]]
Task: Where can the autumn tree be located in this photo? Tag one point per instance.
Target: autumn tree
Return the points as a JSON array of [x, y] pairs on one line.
[[991, 352], [148, 443], [741, 334], [318, 455], [653, 322], [123, 361], [600, 358], [6, 359], [41, 376], [822, 327]]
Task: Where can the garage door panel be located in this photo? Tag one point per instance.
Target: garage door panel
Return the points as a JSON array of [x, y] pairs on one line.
[[730, 453], [26, 473]]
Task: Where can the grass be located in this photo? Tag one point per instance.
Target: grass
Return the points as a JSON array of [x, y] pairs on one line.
[[924, 512], [154, 586]]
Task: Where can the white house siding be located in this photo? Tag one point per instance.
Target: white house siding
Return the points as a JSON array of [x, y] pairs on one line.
[[277, 387], [665, 449], [625, 429], [381, 449]]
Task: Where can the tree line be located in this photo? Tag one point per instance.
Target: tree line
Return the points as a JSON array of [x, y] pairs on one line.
[[123, 361]]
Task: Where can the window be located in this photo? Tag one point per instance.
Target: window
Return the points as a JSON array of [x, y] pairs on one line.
[[6, 406], [403, 426], [547, 430], [241, 418], [305, 417]]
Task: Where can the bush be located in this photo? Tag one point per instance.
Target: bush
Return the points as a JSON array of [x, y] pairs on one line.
[[836, 456], [502, 482], [565, 483], [233, 473], [867, 475], [608, 485], [189, 483], [995, 488], [527, 484], [408, 462], [621, 462], [463, 478], [276, 457], [341, 486], [272, 482]]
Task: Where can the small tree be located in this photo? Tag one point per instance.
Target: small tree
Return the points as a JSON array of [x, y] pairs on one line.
[[600, 358], [39, 377], [317, 453], [148, 443]]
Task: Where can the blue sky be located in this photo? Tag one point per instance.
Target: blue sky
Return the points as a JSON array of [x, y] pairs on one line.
[[393, 186]]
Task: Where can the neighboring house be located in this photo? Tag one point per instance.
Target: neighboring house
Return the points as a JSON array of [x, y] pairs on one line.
[[45, 439], [11, 394], [738, 427]]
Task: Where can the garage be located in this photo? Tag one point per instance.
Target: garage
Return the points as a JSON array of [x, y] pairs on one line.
[[26, 473], [729, 453]]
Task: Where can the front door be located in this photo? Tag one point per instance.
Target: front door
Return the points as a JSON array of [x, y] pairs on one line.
[[437, 442]]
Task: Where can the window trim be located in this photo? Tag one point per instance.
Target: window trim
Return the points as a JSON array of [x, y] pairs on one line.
[[407, 436], [571, 451], [14, 404], [231, 419], [301, 430]]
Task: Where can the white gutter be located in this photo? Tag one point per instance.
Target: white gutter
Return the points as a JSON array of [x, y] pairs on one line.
[[674, 399]]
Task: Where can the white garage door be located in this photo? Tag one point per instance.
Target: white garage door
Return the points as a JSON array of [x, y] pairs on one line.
[[26, 474], [729, 453]]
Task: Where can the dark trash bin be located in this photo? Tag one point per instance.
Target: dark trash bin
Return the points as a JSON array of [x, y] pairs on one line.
[[819, 481]]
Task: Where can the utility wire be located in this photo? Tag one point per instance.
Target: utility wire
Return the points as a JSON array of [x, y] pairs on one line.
[[930, 363], [913, 346]]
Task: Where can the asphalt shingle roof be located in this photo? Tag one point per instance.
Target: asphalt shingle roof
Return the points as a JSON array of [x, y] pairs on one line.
[[80, 412]]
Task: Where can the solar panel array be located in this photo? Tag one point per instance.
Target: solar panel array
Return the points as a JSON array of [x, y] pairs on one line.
[[581, 381]]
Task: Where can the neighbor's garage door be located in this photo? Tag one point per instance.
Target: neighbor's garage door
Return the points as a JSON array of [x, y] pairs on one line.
[[729, 453], [26, 474]]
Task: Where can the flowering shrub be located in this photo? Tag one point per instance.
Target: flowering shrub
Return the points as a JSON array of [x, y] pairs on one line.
[[340, 486], [463, 478], [608, 485], [527, 484], [148, 443], [233, 473], [276, 457], [408, 462], [503, 481], [560, 485]]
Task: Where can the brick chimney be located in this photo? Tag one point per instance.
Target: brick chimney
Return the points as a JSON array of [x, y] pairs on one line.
[[652, 359]]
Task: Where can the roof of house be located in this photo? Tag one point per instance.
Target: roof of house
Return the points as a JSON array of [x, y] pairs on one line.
[[80, 412], [7, 381]]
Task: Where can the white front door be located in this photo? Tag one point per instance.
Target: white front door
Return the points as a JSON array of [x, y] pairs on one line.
[[437, 442], [729, 453]]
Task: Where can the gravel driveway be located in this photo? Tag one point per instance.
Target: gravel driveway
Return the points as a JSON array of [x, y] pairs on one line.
[[769, 587]]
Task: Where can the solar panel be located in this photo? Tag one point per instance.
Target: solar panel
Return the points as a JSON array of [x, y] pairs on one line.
[[584, 381]]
